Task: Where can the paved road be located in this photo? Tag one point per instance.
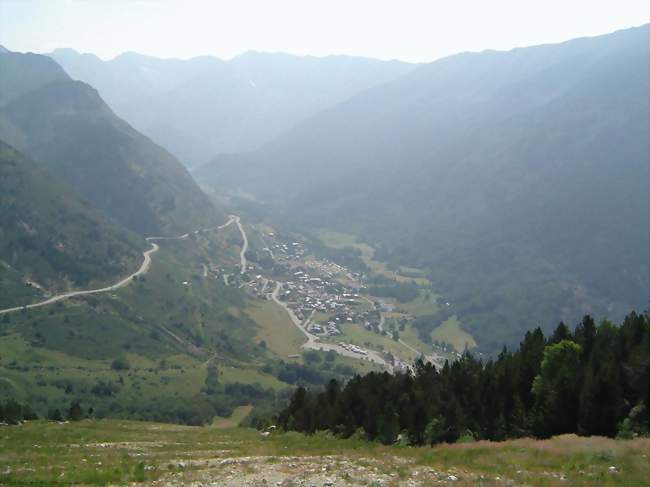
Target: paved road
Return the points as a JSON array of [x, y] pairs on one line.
[[144, 268], [146, 264], [244, 247], [313, 342]]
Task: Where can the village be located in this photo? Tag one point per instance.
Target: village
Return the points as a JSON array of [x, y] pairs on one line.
[[322, 297]]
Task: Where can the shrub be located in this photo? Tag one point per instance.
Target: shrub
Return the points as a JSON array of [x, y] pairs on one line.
[[120, 363]]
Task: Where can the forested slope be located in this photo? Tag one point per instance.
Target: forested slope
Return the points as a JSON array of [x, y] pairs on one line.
[[517, 178], [67, 127], [593, 381], [51, 237]]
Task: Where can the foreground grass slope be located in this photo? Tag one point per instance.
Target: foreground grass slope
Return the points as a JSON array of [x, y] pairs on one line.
[[115, 452]]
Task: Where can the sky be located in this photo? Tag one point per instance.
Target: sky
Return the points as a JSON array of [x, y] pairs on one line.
[[409, 30]]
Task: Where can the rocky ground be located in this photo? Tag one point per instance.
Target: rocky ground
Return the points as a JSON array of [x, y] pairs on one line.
[[326, 471], [111, 452]]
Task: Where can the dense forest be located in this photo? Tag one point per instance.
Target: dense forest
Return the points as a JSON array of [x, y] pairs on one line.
[[592, 381]]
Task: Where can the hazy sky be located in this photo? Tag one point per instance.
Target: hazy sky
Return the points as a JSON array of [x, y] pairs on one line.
[[413, 30]]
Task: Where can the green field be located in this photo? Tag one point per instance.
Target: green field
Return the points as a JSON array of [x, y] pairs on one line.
[[451, 332], [50, 379], [358, 335], [402, 274], [119, 452], [275, 328], [424, 304]]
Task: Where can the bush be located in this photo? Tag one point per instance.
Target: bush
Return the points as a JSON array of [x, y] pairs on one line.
[[120, 363], [312, 357], [75, 412]]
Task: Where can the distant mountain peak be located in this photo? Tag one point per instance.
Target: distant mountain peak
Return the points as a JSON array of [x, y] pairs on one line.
[[63, 54], [65, 50]]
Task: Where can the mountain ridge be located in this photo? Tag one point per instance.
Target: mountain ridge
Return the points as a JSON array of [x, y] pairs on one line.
[[51, 237], [475, 167], [65, 125], [224, 105]]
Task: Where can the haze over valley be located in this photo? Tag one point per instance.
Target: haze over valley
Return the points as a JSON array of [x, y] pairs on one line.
[[377, 254]]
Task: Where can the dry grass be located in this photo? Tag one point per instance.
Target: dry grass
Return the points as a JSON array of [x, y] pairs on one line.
[[275, 328], [119, 452]]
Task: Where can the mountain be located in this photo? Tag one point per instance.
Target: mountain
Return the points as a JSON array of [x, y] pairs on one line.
[[519, 179], [50, 237], [203, 106], [67, 127]]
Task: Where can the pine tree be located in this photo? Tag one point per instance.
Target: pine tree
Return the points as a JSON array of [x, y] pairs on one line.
[[75, 413], [561, 333]]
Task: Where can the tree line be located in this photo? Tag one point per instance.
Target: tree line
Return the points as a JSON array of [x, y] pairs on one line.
[[592, 381], [13, 412]]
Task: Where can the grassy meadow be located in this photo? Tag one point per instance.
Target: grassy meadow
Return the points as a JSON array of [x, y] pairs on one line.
[[118, 452]]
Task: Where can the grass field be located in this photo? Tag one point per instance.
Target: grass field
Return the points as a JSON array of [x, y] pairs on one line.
[[358, 335], [403, 274], [451, 332], [119, 452], [275, 328], [423, 305], [49, 378]]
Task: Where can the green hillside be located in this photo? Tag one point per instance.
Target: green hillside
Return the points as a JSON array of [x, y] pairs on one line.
[[67, 127], [50, 238], [176, 344]]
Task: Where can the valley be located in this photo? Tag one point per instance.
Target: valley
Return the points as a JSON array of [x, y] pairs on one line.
[[43, 355], [326, 263]]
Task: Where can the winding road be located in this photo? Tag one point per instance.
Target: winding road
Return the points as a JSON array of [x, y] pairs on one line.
[[144, 268], [146, 264], [312, 342], [244, 247]]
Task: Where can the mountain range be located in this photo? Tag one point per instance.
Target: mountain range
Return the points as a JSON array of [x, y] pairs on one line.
[[516, 180], [203, 106], [66, 126], [519, 179]]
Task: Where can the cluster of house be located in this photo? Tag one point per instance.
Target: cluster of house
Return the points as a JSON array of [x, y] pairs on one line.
[[260, 286], [306, 295], [292, 250], [325, 329], [330, 269]]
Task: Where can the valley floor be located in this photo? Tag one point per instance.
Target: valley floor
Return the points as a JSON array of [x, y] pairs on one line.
[[119, 452]]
